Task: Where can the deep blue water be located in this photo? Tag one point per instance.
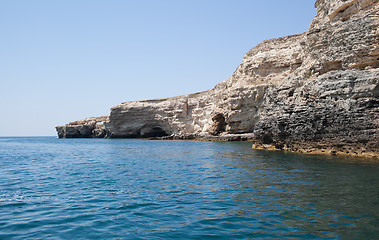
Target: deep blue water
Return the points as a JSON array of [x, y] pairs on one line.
[[133, 189]]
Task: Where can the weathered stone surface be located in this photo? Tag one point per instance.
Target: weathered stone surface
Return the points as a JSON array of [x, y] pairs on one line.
[[86, 128], [330, 103], [335, 113], [315, 92]]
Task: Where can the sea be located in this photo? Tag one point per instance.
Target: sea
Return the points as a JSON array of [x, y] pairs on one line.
[[54, 188]]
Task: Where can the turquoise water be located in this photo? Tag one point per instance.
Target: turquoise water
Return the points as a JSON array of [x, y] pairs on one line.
[[133, 189]]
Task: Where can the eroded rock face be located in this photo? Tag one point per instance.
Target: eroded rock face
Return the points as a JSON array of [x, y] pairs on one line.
[[314, 92], [330, 103], [335, 113], [86, 128]]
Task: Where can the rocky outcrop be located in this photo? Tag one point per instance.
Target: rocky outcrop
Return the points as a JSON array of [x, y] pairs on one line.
[[231, 107], [330, 103], [335, 113], [316, 92], [92, 127]]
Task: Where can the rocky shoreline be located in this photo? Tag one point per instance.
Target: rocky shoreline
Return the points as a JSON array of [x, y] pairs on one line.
[[315, 92]]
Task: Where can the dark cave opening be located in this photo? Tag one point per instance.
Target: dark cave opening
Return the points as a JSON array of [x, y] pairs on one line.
[[219, 124], [153, 131]]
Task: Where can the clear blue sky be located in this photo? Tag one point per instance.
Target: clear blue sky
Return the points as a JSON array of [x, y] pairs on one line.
[[67, 60]]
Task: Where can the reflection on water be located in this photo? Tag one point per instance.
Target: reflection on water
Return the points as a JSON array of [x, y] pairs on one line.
[[104, 188]]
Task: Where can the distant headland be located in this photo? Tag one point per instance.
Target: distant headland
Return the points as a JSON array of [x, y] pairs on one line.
[[315, 92]]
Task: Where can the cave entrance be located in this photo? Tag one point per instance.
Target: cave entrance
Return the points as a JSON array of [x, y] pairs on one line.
[[153, 131], [219, 124]]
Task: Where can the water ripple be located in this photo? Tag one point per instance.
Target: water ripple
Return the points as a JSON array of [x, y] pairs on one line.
[[125, 189]]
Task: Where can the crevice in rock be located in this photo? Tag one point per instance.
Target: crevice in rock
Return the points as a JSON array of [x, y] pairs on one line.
[[219, 124]]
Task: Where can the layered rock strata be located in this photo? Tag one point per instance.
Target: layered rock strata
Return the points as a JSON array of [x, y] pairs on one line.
[[92, 127], [316, 92]]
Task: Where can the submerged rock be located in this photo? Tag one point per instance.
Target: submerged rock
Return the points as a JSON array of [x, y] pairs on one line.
[[315, 92]]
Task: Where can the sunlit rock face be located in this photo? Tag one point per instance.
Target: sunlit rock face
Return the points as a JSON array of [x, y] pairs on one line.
[[230, 107], [330, 103], [315, 92]]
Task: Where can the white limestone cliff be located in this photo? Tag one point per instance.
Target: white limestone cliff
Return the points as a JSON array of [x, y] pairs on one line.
[[315, 92]]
